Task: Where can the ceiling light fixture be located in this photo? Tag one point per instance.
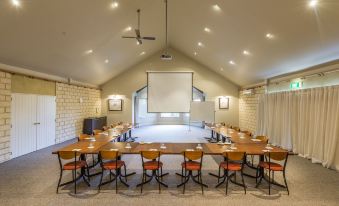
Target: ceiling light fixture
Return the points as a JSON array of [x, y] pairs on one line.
[[195, 53], [245, 52], [313, 3], [232, 62], [269, 36], [16, 3], [207, 29], [90, 51], [216, 7], [142, 53], [221, 69], [106, 61], [200, 44], [114, 5]]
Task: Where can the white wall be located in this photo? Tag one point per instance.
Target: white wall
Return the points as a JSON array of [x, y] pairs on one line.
[[135, 78]]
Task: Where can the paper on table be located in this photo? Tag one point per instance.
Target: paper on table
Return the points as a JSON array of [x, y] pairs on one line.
[[233, 148], [90, 147], [265, 150], [153, 150], [113, 149], [76, 150], [189, 150], [269, 148]]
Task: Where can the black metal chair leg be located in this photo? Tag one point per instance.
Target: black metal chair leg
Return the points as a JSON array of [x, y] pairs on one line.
[[269, 182], [202, 186], [57, 191], [288, 192], [102, 174], [227, 178], [125, 172], [74, 173], [116, 181], [158, 181], [143, 180], [219, 174], [243, 182]]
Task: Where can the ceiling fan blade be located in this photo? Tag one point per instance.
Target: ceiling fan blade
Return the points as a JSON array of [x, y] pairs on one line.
[[137, 32], [129, 37], [139, 40], [148, 38]]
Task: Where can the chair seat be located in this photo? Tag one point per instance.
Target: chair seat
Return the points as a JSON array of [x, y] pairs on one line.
[[273, 166], [112, 165], [75, 165], [231, 166], [152, 165], [191, 165]]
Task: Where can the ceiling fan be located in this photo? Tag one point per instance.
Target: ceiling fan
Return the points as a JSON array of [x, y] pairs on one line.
[[137, 36]]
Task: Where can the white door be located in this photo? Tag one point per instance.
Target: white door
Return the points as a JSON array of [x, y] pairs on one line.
[[23, 133], [46, 114]]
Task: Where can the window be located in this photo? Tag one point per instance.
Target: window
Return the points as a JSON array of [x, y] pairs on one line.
[[170, 115]]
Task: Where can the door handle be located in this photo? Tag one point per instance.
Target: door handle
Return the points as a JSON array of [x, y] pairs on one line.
[[36, 123]]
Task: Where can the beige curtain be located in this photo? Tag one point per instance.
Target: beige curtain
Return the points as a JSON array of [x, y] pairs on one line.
[[304, 121]]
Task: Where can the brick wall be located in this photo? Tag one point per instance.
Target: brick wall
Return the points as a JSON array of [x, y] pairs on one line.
[[248, 109], [71, 112], [5, 115]]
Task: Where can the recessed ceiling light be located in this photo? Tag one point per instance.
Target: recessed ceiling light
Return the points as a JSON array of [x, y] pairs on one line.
[[128, 28], [216, 7], [90, 51], [200, 44], [246, 52], [142, 53], [221, 69], [207, 29], [232, 62], [138, 43], [313, 3], [269, 36], [106, 61], [195, 53], [114, 5], [16, 3]]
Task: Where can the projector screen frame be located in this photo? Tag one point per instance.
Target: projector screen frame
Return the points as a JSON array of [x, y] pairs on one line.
[[168, 72]]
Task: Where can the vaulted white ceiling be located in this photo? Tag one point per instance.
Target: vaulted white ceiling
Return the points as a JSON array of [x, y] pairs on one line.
[[53, 36]]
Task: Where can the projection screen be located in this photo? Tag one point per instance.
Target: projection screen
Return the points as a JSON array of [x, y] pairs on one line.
[[169, 91]]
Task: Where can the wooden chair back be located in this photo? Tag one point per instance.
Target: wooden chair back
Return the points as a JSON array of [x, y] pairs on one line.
[[150, 155], [236, 129], [67, 155], [82, 136], [193, 155], [97, 131], [109, 155], [234, 156], [262, 138]]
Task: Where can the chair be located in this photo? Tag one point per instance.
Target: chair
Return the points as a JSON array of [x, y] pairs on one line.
[[74, 165], [234, 162], [82, 137], [151, 162], [263, 139], [192, 162], [110, 160], [236, 129], [97, 131], [247, 133], [273, 167]]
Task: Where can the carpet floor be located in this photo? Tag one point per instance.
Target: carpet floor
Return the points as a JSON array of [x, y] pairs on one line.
[[31, 180]]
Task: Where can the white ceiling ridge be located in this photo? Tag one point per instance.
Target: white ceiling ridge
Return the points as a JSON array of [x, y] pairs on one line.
[[40, 75], [317, 69]]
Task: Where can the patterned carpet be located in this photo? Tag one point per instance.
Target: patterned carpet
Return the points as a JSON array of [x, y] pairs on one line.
[[32, 180]]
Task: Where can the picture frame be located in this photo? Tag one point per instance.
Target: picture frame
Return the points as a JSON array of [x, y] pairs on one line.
[[115, 104], [224, 103]]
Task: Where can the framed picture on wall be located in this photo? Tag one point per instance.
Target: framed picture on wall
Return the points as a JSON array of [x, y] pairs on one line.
[[115, 104], [224, 103]]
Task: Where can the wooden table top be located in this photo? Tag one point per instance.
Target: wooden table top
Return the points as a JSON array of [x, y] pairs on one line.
[[235, 136], [171, 148]]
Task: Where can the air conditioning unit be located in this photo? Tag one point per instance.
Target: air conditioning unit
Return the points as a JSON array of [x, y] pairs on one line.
[[166, 57], [248, 92]]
